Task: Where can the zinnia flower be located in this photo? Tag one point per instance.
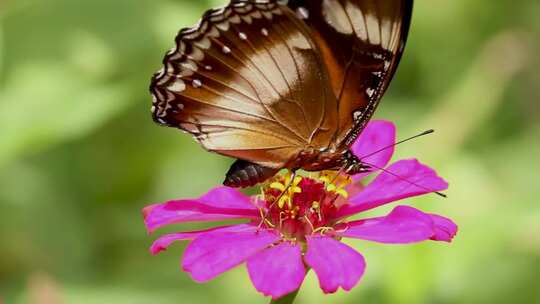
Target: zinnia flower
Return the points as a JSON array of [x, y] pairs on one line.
[[299, 223]]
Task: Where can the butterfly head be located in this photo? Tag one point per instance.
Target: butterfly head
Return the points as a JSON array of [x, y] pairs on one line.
[[353, 165]]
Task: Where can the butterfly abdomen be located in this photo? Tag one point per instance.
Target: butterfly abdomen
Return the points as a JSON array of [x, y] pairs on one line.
[[245, 174]]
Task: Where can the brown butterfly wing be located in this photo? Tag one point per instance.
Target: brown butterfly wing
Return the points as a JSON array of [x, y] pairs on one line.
[[362, 42], [248, 82]]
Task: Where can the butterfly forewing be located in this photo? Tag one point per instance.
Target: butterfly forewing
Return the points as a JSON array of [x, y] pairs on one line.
[[248, 82], [361, 42], [282, 84]]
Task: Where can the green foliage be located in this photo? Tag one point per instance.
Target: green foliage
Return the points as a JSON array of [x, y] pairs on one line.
[[80, 156]]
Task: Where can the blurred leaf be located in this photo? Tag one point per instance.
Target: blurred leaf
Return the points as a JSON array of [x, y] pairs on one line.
[[476, 96], [1, 51], [170, 17], [43, 104]]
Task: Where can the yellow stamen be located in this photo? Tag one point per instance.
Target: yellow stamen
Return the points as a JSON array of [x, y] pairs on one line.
[[324, 179], [309, 222], [342, 192], [269, 223], [296, 189], [336, 183], [331, 188], [277, 186], [281, 219], [323, 230], [263, 218], [284, 198]]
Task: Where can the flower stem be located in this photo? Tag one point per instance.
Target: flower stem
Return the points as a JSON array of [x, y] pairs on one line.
[[288, 299]]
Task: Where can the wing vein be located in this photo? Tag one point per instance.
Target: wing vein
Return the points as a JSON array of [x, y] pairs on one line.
[[210, 77], [298, 25], [294, 100], [193, 99], [379, 21], [251, 67], [366, 25], [269, 84], [198, 124]]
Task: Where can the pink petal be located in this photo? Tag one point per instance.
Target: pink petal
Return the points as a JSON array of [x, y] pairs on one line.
[[387, 188], [213, 253], [162, 243], [378, 134], [445, 229], [220, 203], [336, 264], [403, 225], [225, 197], [278, 270]]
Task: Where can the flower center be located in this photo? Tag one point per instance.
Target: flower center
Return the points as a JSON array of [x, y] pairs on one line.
[[297, 206]]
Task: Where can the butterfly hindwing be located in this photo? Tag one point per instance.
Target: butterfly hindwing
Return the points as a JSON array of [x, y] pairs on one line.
[[362, 42]]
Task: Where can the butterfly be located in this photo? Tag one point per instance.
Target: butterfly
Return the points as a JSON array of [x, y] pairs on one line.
[[282, 84]]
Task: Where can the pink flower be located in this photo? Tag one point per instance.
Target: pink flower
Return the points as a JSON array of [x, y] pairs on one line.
[[291, 228]]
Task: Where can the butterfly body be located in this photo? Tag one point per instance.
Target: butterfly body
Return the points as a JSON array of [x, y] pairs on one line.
[[245, 174], [281, 84]]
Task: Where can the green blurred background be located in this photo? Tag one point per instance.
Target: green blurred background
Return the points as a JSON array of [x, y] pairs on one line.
[[80, 156]]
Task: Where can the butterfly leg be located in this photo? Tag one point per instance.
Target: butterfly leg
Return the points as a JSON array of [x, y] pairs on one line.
[[288, 186], [244, 174]]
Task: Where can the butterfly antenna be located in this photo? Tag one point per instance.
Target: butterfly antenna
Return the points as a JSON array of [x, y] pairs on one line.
[[399, 142], [407, 181]]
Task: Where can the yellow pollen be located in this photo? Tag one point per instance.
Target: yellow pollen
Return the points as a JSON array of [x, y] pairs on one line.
[[336, 182], [277, 186], [281, 203], [315, 205], [331, 188], [288, 187], [325, 179], [342, 192], [343, 180]]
